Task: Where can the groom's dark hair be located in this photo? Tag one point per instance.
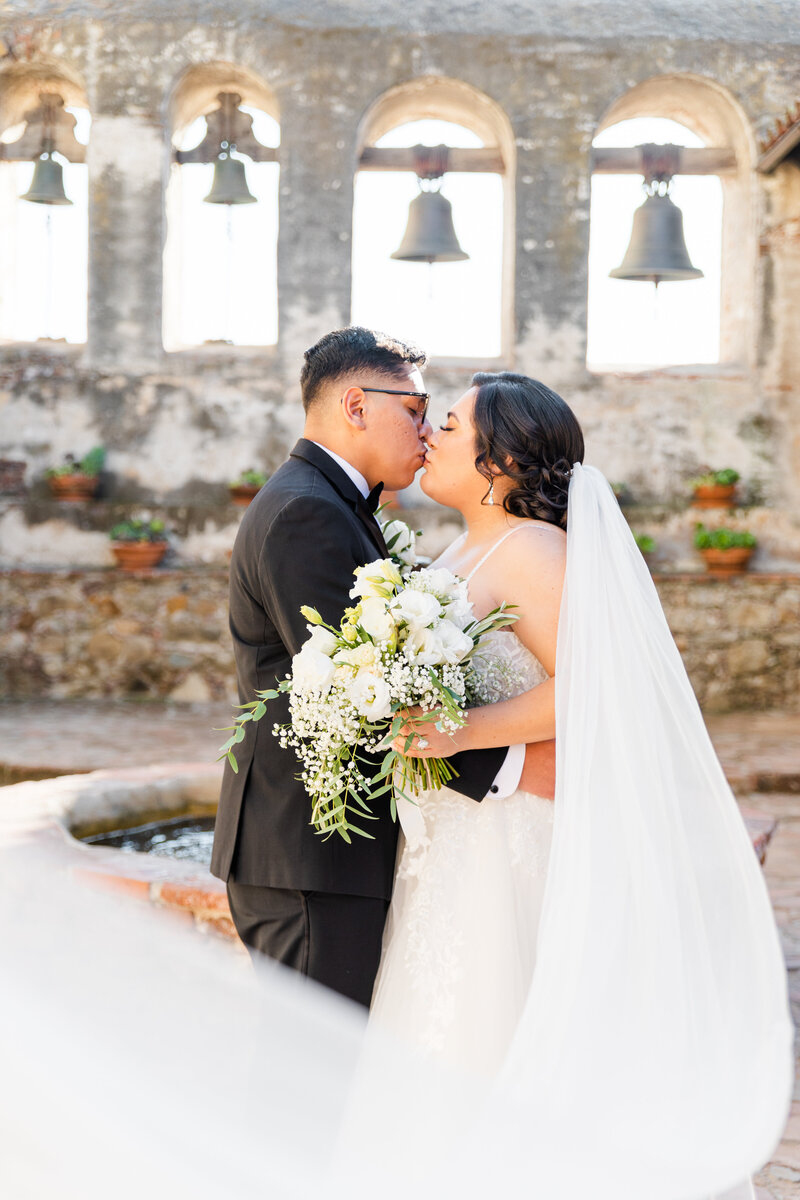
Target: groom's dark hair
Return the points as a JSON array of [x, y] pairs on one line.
[[347, 351]]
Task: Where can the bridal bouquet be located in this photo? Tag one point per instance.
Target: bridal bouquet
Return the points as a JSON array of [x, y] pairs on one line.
[[406, 643]]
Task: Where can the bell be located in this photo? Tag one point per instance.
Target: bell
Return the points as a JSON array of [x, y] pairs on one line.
[[657, 249], [47, 184], [230, 183], [430, 236]]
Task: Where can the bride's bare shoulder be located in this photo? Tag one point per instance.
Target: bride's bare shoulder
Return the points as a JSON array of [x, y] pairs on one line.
[[537, 550]]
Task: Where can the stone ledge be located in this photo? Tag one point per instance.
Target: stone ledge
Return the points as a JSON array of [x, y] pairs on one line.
[[47, 811]]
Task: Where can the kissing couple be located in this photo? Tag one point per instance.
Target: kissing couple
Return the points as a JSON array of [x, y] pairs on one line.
[[580, 911]]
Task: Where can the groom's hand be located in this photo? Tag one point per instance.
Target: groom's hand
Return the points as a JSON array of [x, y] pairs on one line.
[[539, 771]]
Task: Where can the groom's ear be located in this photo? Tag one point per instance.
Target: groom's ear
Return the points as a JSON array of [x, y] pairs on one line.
[[352, 404]]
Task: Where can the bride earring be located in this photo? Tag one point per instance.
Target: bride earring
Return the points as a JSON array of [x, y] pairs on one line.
[[491, 492]]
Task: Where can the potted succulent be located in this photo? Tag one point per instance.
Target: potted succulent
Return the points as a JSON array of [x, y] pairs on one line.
[[726, 552], [76, 479], [714, 489], [248, 485], [136, 544]]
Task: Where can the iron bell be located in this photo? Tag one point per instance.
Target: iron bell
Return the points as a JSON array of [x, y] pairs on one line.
[[430, 235], [657, 249], [230, 182], [47, 184]]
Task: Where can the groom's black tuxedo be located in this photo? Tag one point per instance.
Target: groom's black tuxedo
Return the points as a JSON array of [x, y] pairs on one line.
[[299, 542]]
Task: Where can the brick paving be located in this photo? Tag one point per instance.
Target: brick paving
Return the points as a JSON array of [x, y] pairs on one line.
[[759, 751]]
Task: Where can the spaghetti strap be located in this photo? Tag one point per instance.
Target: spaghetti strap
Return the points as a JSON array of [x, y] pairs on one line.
[[491, 551]]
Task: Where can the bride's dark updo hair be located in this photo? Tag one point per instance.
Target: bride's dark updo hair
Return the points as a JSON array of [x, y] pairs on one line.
[[528, 433]]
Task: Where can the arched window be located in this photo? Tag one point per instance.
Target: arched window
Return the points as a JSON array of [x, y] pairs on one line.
[[454, 309], [220, 260], [43, 207], [630, 323]]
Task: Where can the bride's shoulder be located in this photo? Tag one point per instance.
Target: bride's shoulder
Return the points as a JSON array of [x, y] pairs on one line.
[[537, 549]]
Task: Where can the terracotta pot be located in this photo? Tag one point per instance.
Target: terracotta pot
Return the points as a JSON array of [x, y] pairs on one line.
[[243, 493], [73, 488], [714, 495], [724, 563], [136, 556]]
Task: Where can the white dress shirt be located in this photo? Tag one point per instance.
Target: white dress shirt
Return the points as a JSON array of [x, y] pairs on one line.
[[506, 781]]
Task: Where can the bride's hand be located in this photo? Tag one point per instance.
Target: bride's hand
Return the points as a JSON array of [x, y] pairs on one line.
[[428, 741]]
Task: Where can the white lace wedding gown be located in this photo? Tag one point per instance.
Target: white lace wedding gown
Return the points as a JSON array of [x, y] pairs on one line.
[[460, 942]]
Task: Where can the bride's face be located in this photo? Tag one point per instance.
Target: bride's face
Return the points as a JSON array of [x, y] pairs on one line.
[[450, 476]]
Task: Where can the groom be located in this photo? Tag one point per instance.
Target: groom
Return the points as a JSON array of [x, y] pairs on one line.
[[318, 905]]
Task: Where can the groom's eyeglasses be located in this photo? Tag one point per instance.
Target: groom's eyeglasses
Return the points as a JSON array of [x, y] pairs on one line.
[[424, 396]]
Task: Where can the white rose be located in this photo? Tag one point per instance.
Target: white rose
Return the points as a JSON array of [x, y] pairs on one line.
[[418, 609], [455, 644], [376, 578], [365, 656], [322, 640], [426, 647], [401, 542], [312, 671], [370, 696], [375, 619]]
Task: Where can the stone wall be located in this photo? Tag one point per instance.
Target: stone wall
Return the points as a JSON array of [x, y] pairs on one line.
[[95, 633]]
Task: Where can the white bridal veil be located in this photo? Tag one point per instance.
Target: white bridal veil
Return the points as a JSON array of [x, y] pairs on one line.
[[652, 1062]]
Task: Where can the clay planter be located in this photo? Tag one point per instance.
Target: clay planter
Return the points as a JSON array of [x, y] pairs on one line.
[[243, 493], [137, 556], [714, 495], [724, 563], [73, 488]]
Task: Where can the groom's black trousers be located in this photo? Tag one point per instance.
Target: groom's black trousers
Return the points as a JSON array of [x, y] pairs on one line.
[[328, 937]]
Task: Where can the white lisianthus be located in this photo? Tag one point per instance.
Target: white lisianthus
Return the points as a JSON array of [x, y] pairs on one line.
[[376, 620], [417, 609], [322, 640], [401, 541], [425, 647], [312, 671], [459, 610], [370, 696], [310, 614], [377, 578], [455, 644]]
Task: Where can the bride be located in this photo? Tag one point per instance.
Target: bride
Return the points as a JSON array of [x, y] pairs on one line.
[[460, 945], [609, 959]]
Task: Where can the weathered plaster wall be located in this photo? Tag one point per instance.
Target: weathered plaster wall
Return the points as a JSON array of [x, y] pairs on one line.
[[177, 426]]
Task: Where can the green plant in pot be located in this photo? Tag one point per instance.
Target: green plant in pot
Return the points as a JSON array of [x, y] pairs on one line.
[[714, 489], [646, 544], [138, 543], [725, 552], [248, 485], [76, 479]]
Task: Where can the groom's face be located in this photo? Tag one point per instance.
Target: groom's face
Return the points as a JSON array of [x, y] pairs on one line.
[[395, 427]]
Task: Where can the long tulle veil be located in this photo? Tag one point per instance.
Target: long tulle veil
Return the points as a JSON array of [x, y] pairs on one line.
[[657, 1027]]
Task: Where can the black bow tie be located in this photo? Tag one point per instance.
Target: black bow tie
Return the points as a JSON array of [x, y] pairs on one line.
[[373, 498]]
